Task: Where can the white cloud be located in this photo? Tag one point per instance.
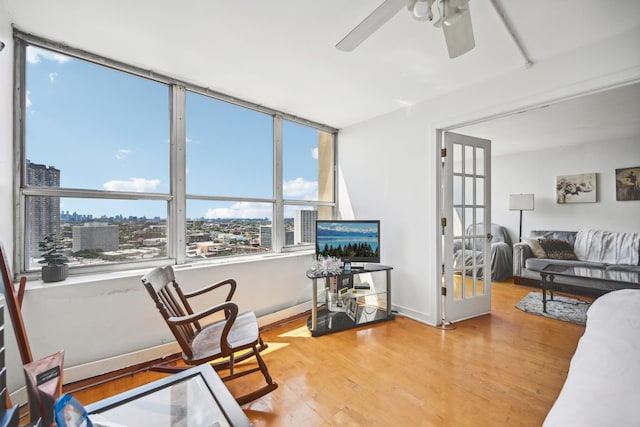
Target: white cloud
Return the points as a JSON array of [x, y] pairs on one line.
[[241, 210], [52, 77], [28, 100], [314, 153], [300, 189], [35, 55], [133, 184], [122, 153]]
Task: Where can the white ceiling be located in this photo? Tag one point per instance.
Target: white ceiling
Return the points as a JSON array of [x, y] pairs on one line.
[[611, 115], [281, 54]]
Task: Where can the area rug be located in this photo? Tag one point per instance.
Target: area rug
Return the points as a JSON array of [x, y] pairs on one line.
[[563, 308]]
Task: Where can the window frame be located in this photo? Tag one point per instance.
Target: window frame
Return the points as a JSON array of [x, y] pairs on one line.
[[177, 197]]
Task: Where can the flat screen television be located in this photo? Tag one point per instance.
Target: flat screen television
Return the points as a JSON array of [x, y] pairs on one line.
[[353, 240]]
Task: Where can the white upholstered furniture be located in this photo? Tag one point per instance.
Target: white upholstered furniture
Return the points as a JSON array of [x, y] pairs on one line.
[[603, 384]]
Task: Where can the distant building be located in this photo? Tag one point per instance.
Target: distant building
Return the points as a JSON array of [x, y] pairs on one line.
[[198, 237], [156, 241], [208, 249], [95, 235], [288, 238], [304, 227], [43, 212], [265, 236]]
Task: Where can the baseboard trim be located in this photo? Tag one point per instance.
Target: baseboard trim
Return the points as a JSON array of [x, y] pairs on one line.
[[413, 315], [291, 312], [123, 364]]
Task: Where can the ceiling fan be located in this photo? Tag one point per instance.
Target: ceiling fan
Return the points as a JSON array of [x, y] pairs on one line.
[[455, 21]]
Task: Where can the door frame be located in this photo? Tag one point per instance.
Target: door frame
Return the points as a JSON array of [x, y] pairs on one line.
[[511, 107]]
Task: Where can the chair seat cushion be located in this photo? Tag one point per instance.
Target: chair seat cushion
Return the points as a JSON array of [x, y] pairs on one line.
[[206, 344]]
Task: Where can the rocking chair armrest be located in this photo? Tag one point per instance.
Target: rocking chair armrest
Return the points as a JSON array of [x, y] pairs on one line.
[[230, 309], [213, 286]]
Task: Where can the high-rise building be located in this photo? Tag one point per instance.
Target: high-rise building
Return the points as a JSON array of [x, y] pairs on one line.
[[95, 235], [304, 226], [288, 238], [43, 213], [265, 236]]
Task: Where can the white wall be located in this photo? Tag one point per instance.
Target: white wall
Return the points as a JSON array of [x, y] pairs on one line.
[[390, 163], [385, 164], [535, 172], [97, 317]]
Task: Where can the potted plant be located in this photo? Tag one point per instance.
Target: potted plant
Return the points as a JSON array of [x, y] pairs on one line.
[[55, 265]]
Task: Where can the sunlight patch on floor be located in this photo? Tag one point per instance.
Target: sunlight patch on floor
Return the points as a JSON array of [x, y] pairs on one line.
[[301, 332]]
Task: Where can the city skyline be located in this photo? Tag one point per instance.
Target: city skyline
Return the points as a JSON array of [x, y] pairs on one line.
[[65, 214]]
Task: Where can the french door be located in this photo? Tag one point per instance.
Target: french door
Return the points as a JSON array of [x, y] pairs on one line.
[[466, 201]]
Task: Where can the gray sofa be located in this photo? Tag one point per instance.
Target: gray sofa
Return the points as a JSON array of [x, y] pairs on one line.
[[611, 251]]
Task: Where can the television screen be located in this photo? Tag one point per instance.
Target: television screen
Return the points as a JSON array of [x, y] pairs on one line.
[[357, 241]]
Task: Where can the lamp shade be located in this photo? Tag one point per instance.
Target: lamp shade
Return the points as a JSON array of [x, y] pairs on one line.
[[521, 202]]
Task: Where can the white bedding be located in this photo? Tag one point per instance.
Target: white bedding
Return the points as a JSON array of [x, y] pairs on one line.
[[603, 384], [607, 246]]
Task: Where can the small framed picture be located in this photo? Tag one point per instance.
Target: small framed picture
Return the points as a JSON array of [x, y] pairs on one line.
[[342, 293], [344, 281], [576, 188], [627, 184], [352, 308]]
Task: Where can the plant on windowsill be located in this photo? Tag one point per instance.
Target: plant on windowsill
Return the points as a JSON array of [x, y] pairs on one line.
[[55, 267]]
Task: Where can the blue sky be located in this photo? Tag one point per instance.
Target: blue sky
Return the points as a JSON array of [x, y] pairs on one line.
[[107, 130]]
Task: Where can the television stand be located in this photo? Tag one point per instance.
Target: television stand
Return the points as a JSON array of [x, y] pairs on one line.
[[350, 306]]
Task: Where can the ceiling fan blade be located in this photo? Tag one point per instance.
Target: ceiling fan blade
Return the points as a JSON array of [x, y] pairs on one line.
[[458, 32], [371, 23]]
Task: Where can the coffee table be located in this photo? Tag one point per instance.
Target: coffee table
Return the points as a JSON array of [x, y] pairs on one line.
[[193, 397], [591, 278]]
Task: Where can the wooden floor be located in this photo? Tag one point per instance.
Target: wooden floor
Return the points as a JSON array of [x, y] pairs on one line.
[[502, 369]]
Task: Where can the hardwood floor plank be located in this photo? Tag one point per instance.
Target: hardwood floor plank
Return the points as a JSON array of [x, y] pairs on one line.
[[505, 368]]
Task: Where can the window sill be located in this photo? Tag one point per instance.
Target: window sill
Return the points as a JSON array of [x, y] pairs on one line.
[[84, 278]]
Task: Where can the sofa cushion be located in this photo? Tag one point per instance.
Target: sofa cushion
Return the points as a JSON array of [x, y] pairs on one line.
[[540, 263], [567, 236], [557, 249], [608, 247], [536, 249]]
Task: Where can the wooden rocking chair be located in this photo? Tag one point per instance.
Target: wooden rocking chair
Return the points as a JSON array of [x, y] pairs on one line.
[[216, 342]]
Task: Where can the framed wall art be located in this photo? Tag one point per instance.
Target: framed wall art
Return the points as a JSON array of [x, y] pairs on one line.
[[576, 188], [628, 184]]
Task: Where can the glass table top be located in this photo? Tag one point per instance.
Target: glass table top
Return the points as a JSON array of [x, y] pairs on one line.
[[621, 276], [187, 403]]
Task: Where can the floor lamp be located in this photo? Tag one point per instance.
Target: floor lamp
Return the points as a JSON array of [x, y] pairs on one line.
[[520, 202]]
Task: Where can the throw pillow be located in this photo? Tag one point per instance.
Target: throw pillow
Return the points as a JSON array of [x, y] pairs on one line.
[[536, 249], [557, 249]]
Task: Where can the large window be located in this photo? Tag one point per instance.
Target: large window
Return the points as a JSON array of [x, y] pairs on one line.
[[128, 166], [92, 135], [229, 180], [308, 179]]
